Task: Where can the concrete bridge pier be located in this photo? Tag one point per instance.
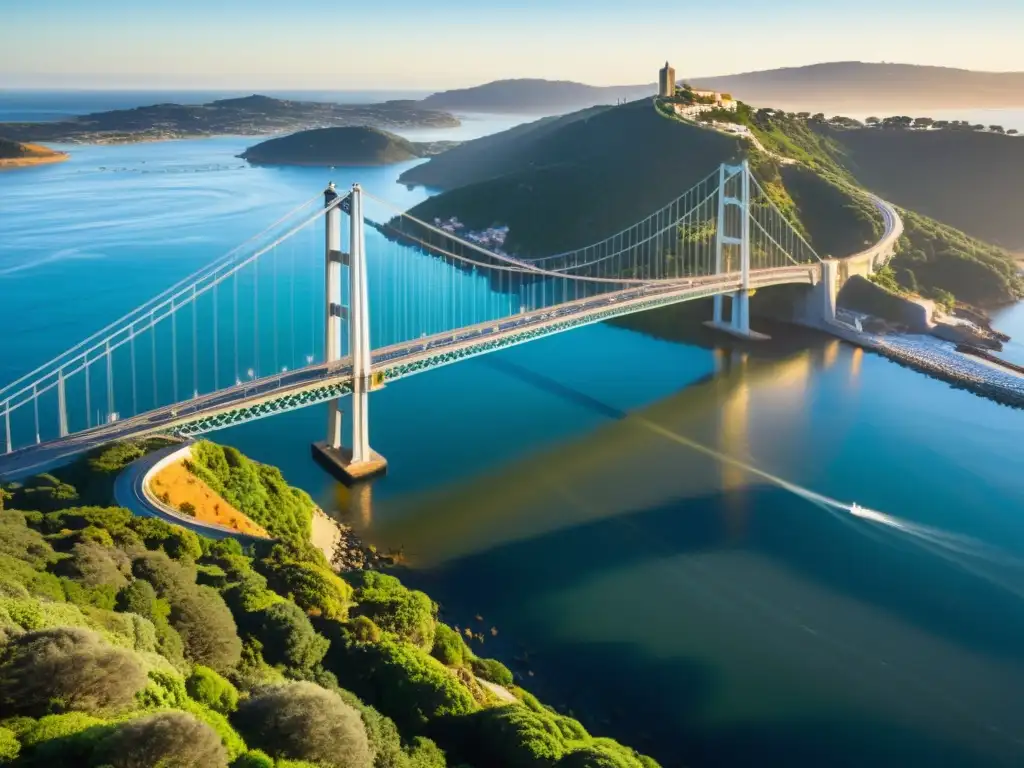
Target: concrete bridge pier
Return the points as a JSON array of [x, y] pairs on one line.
[[360, 462]]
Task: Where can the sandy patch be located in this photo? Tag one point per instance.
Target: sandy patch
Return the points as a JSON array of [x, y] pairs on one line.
[[175, 485], [326, 534]]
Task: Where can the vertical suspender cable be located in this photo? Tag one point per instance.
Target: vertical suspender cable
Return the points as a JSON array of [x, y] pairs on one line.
[[152, 340], [110, 383], [195, 345], [174, 353]]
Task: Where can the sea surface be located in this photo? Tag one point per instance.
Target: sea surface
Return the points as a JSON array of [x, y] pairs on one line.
[[655, 524]]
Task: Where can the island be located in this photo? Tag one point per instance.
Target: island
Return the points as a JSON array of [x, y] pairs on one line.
[[249, 116], [13, 154], [348, 145]]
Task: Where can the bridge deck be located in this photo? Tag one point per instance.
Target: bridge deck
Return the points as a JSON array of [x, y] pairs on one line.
[[320, 382]]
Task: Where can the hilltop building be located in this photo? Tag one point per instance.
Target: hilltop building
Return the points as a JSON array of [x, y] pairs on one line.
[[666, 82]]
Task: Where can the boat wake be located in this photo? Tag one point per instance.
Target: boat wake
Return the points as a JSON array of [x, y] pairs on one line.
[[965, 552]]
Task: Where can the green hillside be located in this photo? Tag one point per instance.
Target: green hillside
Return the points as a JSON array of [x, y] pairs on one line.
[[935, 258], [972, 181], [574, 181], [126, 642]]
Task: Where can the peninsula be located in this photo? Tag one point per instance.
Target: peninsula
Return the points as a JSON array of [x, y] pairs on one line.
[[16, 155], [249, 116], [348, 145]]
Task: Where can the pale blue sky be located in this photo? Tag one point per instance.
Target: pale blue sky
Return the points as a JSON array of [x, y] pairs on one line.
[[417, 44]]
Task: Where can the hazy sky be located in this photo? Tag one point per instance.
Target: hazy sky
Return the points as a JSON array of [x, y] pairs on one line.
[[417, 44]]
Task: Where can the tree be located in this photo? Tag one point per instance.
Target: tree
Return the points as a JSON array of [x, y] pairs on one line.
[[493, 671], [923, 122], [997, 129], [288, 638], [819, 117], [303, 721], [65, 669], [872, 121], [165, 739], [208, 688], [140, 598], [1012, 131]]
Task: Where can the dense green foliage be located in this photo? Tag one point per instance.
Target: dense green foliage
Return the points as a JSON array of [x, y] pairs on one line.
[[125, 642], [257, 490]]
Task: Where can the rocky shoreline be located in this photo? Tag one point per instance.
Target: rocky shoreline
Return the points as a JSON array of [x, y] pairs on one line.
[[344, 549], [999, 384]]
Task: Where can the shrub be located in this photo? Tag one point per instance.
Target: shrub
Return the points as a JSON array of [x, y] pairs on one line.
[[19, 578], [53, 727], [256, 758], [314, 588], [449, 647], [25, 544], [163, 690], [172, 739], [403, 682], [167, 576], [187, 508], [305, 722], [9, 746], [208, 688], [233, 743], [177, 542], [211, 576], [67, 669], [423, 753], [207, 628], [250, 595], [288, 638], [93, 565], [517, 737], [364, 630], [99, 597], [407, 613], [605, 754], [492, 671], [44, 493], [140, 598]]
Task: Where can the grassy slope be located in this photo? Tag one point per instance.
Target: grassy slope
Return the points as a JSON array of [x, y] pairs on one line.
[[588, 178], [935, 259], [966, 179]]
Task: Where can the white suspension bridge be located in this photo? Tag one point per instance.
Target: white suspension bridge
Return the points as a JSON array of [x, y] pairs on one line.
[[260, 332]]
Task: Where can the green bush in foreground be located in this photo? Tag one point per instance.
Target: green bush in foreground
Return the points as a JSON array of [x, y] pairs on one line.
[[172, 739], [66, 669], [303, 721], [493, 671]]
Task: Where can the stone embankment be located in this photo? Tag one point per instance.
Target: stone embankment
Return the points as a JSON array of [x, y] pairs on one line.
[[935, 358]]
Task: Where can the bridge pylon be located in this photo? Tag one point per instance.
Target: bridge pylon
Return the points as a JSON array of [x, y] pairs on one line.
[[360, 462], [727, 238]]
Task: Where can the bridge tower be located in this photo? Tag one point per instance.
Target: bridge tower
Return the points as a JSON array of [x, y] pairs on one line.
[[739, 321], [360, 462]]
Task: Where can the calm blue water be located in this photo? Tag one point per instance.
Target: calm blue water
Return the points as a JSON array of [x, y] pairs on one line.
[[698, 612]]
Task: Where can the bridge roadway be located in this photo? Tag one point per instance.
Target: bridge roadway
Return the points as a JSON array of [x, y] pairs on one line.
[[322, 381]]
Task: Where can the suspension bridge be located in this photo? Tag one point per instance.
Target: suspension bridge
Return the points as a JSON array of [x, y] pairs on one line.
[[284, 321]]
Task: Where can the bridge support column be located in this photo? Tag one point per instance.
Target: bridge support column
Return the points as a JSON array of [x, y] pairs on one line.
[[361, 462], [739, 321]]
